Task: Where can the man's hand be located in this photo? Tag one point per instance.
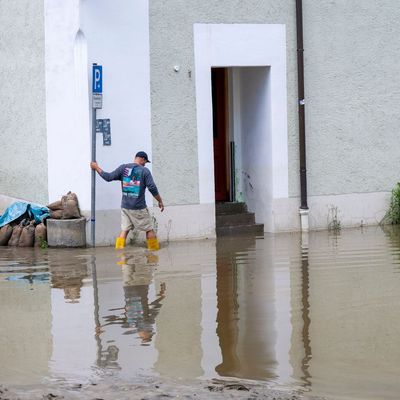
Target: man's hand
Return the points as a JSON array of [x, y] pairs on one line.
[[160, 203], [95, 166]]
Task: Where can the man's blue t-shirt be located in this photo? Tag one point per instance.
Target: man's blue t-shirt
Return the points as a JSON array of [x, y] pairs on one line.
[[134, 181]]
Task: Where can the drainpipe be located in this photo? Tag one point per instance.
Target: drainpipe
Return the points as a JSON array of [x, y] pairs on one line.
[[302, 128]]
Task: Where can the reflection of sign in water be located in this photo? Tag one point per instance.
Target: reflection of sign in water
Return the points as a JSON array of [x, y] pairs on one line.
[[104, 126]]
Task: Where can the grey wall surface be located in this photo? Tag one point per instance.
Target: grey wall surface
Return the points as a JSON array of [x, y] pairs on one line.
[[351, 83], [23, 148], [173, 97], [353, 95]]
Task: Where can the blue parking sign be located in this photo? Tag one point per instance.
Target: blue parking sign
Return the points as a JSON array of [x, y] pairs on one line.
[[97, 79]]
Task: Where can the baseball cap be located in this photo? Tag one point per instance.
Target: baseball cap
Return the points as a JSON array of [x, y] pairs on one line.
[[143, 155]]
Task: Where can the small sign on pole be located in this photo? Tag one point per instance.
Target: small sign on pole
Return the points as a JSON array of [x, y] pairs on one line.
[[97, 100], [104, 126]]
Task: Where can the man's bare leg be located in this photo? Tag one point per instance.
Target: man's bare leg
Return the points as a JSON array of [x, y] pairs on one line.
[[151, 234]]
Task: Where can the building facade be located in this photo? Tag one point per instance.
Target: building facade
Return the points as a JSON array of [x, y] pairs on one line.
[[209, 91]]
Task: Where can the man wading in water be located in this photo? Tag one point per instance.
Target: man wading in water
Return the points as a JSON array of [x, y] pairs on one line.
[[135, 178]]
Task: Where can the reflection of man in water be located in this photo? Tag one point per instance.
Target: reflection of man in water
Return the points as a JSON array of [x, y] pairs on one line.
[[139, 314]]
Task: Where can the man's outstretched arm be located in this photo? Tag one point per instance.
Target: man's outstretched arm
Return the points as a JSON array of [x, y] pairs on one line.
[[107, 176], [149, 183]]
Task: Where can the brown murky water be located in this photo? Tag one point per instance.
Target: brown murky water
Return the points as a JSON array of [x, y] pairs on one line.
[[320, 314]]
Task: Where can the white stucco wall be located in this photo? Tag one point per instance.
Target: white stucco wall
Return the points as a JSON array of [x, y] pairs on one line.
[[23, 148], [114, 35], [68, 133], [79, 33], [117, 35]]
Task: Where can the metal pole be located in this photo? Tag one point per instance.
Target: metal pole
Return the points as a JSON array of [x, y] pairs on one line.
[[93, 205]]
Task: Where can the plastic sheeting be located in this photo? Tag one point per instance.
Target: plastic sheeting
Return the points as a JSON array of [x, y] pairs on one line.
[[19, 208]]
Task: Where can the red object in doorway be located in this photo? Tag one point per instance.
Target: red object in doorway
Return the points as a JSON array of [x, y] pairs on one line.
[[218, 79]]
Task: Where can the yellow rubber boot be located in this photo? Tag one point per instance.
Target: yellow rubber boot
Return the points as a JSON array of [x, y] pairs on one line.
[[152, 244], [119, 243], [122, 260]]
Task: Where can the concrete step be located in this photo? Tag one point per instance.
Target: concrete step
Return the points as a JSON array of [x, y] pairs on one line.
[[230, 208], [235, 219], [257, 229]]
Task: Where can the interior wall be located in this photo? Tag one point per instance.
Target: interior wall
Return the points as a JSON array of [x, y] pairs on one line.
[[252, 128]]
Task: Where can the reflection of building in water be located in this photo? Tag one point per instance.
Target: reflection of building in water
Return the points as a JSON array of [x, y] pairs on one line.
[[25, 331], [353, 328], [69, 278], [345, 292], [227, 316], [73, 328], [179, 331], [246, 310]]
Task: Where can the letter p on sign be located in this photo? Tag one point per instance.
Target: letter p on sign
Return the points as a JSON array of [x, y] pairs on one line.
[[97, 79]]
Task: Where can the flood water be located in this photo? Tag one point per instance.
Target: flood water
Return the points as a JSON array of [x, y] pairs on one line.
[[319, 313]]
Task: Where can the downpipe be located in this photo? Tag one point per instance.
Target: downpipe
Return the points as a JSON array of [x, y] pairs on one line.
[[303, 211]]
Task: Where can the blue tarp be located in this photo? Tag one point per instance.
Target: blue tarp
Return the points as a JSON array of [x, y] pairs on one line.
[[34, 211]]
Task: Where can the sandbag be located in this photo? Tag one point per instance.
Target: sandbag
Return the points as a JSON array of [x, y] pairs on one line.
[[70, 206], [58, 214], [16, 233], [5, 234], [40, 234], [56, 205], [27, 237], [72, 196]]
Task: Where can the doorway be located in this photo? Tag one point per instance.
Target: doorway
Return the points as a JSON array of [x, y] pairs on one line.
[[257, 118], [220, 106]]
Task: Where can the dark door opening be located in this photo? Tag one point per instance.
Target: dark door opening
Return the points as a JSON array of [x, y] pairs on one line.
[[221, 136]]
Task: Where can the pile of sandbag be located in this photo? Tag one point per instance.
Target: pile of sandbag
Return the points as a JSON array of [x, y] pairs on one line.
[[66, 208], [24, 227], [24, 234]]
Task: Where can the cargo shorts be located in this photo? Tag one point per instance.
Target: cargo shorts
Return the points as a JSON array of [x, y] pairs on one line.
[[138, 219]]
